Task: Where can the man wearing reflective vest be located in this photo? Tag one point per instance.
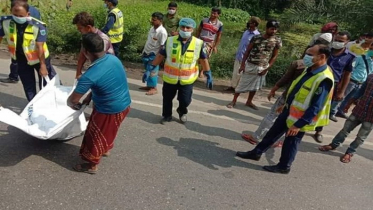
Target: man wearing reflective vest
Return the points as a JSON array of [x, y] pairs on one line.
[[307, 106], [114, 24], [26, 38], [182, 54]]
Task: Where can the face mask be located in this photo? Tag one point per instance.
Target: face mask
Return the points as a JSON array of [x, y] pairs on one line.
[[20, 20], [185, 34], [370, 53], [338, 45], [171, 11], [307, 60]]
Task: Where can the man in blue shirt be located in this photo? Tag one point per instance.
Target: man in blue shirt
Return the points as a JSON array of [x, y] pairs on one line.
[[13, 76], [318, 55], [107, 80], [251, 31]]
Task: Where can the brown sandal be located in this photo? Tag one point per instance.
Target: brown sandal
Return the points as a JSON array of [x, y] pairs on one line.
[[85, 168], [326, 148], [346, 158]]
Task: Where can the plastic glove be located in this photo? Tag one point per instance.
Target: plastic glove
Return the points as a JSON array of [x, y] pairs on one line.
[[209, 81], [145, 76]]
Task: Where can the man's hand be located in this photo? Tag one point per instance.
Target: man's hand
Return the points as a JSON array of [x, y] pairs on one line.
[[77, 76], [293, 131], [263, 72], [271, 94], [280, 109], [348, 105], [339, 96], [43, 70], [87, 100]]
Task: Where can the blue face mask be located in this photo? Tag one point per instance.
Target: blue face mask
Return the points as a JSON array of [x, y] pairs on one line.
[[185, 34], [307, 60], [19, 20], [370, 53]]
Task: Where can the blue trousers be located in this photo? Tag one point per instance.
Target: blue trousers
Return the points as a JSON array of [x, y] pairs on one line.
[[290, 146], [27, 75], [152, 80]]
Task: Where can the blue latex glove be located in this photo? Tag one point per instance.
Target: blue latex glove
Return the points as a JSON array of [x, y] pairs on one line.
[[209, 81]]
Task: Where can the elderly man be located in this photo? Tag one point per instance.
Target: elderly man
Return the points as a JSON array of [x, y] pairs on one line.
[[182, 54], [106, 78]]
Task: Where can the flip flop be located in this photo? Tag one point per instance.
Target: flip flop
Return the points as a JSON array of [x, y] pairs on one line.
[[249, 139], [85, 168], [231, 105], [346, 158]]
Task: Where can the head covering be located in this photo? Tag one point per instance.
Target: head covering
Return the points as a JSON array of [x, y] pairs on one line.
[[188, 22], [255, 20], [327, 37], [328, 26], [273, 23]]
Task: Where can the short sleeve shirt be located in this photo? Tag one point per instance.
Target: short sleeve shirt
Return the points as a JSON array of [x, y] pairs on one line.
[[262, 49], [210, 29], [341, 63], [171, 24], [156, 39]]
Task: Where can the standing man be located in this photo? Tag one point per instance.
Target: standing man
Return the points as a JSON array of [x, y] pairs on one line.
[[13, 76], [181, 69], [210, 30], [171, 20], [114, 25], [26, 38], [157, 36], [361, 114], [107, 80], [252, 30], [259, 57], [307, 106], [85, 24], [362, 68]]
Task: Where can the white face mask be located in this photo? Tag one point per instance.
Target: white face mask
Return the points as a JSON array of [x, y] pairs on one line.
[[338, 45], [171, 11]]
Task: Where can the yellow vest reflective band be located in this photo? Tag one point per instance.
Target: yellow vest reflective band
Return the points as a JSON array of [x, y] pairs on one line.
[[116, 32], [178, 67], [29, 41], [303, 97]]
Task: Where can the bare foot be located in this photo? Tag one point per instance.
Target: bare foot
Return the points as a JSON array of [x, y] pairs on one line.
[[152, 91], [231, 105]]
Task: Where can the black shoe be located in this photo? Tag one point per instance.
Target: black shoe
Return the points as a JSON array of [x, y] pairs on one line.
[[318, 137], [276, 169], [183, 117], [341, 115], [248, 155], [333, 118], [8, 80], [165, 120]]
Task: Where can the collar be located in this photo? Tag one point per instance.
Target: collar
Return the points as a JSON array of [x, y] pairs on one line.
[[159, 28], [318, 70]]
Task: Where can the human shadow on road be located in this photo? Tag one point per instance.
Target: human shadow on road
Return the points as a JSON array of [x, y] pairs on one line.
[[17, 146], [148, 117], [235, 115], [206, 153]]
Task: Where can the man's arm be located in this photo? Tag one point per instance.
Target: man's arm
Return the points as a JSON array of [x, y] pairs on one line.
[[342, 87], [73, 100], [285, 80], [218, 38], [40, 40], [83, 86], [205, 64], [198, 34], [245, 56], [109, 24], [158, 59]]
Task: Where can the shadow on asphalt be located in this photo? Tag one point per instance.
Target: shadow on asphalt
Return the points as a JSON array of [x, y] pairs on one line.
[[235, 115], [206, 153]]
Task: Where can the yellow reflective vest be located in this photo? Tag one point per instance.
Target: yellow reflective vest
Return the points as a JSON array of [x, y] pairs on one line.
[[29, 39], [116, 32], [303, 97], [178, 67]]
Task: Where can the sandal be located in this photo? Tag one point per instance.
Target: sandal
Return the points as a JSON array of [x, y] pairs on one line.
[[151, 92], [85, 168], [326, 148], [249, 138], [346, 158], [252, 106], [231, 105]]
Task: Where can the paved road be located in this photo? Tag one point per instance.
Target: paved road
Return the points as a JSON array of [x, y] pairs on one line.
[[190, 166]]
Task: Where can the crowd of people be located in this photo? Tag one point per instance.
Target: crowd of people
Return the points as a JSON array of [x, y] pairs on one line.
[[332, 74]]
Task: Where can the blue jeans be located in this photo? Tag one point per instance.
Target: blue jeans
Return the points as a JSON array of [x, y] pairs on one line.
[[351, 123], [351, 89], [290, 146]]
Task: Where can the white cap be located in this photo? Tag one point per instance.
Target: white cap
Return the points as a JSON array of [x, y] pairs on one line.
[[327, 37]]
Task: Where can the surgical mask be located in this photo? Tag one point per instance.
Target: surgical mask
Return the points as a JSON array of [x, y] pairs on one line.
[[171, 11], [185, 34], [20, 20], [370, 53], [338, 45], [307, 60]]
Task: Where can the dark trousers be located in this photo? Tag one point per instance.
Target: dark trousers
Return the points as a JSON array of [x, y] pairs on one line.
[[290, 146], [116, 47], [184, 96], [13, 70], [27, 74]]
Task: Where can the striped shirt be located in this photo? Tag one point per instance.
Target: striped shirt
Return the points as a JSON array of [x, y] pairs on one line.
[[210, 29], [363, 109]]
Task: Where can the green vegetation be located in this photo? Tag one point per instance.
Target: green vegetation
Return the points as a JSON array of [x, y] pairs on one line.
[[300, 19]]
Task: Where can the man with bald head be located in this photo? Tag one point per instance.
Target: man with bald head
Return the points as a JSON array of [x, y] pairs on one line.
[[307, 106]]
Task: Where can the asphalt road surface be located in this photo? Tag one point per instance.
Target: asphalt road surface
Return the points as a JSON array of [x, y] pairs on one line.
[[191, 166]]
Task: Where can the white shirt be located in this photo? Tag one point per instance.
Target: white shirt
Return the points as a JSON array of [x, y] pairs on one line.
[[156, 39]]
